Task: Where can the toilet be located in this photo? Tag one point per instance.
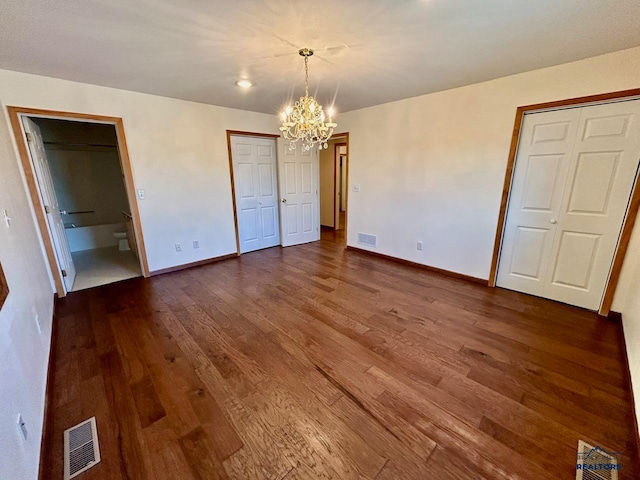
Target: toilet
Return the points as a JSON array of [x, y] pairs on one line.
[[121, 236]]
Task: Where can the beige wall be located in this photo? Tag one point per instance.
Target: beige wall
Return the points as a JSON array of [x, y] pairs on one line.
[[178, 153]]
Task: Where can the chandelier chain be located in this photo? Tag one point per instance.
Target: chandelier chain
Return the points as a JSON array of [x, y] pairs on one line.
[[306, 76]]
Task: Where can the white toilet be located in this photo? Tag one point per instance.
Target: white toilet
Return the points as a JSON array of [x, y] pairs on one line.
[[123, 243]]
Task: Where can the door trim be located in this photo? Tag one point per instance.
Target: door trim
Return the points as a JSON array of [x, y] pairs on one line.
[[336, 166], [632, 210], [346, 192], [15, 113], [233, 182]]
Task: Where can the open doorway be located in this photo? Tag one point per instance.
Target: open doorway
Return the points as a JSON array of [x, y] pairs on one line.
[[333, 187], [82, 189]]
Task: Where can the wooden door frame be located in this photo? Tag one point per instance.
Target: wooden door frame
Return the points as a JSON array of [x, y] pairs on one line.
[[233, 182], [336, 155], [632, 210], [15, 113], [346, 192]]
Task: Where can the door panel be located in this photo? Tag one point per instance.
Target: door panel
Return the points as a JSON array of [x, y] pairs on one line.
[[48, 194], [581, 202], [254, 171], [300, 205], [539, 178], [599, 182]]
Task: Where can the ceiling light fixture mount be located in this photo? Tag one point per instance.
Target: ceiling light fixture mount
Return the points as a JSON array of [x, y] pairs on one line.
[[305, 121]]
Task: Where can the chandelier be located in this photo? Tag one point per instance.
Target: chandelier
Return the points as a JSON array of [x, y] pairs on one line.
[[305, 121]]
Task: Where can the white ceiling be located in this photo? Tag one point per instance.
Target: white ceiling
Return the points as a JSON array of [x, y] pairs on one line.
[[368, 52]]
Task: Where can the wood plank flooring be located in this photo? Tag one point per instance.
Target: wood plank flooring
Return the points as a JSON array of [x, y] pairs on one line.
[[313, 362]]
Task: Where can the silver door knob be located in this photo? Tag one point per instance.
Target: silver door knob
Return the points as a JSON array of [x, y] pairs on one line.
[[553, 220], [284, 200]]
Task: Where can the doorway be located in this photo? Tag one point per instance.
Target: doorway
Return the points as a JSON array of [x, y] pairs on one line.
[[79, 179], [333, 187], [574, 175]]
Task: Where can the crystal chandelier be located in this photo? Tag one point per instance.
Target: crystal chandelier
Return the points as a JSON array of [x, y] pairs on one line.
[[305, 121]]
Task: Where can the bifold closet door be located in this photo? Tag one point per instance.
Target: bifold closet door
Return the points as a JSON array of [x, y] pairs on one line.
[[574, 174], [256, 189]]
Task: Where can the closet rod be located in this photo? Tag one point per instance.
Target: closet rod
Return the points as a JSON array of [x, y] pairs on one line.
[[65, 144]]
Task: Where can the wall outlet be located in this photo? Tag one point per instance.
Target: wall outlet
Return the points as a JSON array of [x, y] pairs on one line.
[[356, 187], [22, 427], [419, 246], [141, 193], [196, 244], [178, 247]]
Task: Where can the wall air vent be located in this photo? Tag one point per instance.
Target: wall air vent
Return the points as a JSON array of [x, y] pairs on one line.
[[81, 451], [595, 463], [368, 240]]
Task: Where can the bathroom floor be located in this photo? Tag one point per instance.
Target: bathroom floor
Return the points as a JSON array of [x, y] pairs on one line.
[[103, 265]]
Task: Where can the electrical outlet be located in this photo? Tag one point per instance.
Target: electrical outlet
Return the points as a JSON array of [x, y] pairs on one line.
[[196, 244], [22, 427], [356, 187], [178, 247], [419, 246]]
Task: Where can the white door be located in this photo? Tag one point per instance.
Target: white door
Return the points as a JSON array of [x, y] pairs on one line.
[[573, 178], [49, 200], [256, 188], [299, 199]]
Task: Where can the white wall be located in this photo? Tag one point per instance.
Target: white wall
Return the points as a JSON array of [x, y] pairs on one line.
[[431, 168], [24, 351], [179, 156], [631, 320], [178, 152]]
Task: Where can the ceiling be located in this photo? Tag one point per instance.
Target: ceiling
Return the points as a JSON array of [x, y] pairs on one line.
[[367, 52]]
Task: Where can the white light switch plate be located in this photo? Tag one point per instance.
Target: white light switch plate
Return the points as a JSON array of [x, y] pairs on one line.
[[141, 194], [356, 187]]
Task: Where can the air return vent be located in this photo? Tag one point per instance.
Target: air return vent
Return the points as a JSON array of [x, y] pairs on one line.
[[595, 463], [368, 240], [81, 451]]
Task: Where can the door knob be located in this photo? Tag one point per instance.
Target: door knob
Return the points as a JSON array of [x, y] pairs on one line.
[[553, 220], [284, 200]]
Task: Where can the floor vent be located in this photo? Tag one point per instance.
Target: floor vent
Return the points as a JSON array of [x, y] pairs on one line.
[[368, 240], [595, 463], [81, 451]]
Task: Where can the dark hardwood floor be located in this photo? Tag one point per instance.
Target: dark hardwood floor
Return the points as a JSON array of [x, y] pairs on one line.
[[312, 362]]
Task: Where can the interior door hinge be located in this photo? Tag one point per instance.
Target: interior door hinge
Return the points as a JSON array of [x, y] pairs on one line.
[[29, 137], [64, 272], [47, 209]]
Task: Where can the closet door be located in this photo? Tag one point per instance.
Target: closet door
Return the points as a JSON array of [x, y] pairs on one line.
[[574, 175], [256, 191], [601, 176], [542, 163]]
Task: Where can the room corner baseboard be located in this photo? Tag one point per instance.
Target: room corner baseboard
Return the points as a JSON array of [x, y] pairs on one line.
[[627, 372], [448, 273], [47, 420], [192, 264]]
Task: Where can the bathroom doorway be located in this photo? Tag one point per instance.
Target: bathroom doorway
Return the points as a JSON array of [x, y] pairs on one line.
[[84, 193]]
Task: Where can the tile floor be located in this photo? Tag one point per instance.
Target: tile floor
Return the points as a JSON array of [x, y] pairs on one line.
[[101, 266]]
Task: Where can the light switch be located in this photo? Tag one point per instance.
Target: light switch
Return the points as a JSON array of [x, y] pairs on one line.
[[356, 187], [141, 194]]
